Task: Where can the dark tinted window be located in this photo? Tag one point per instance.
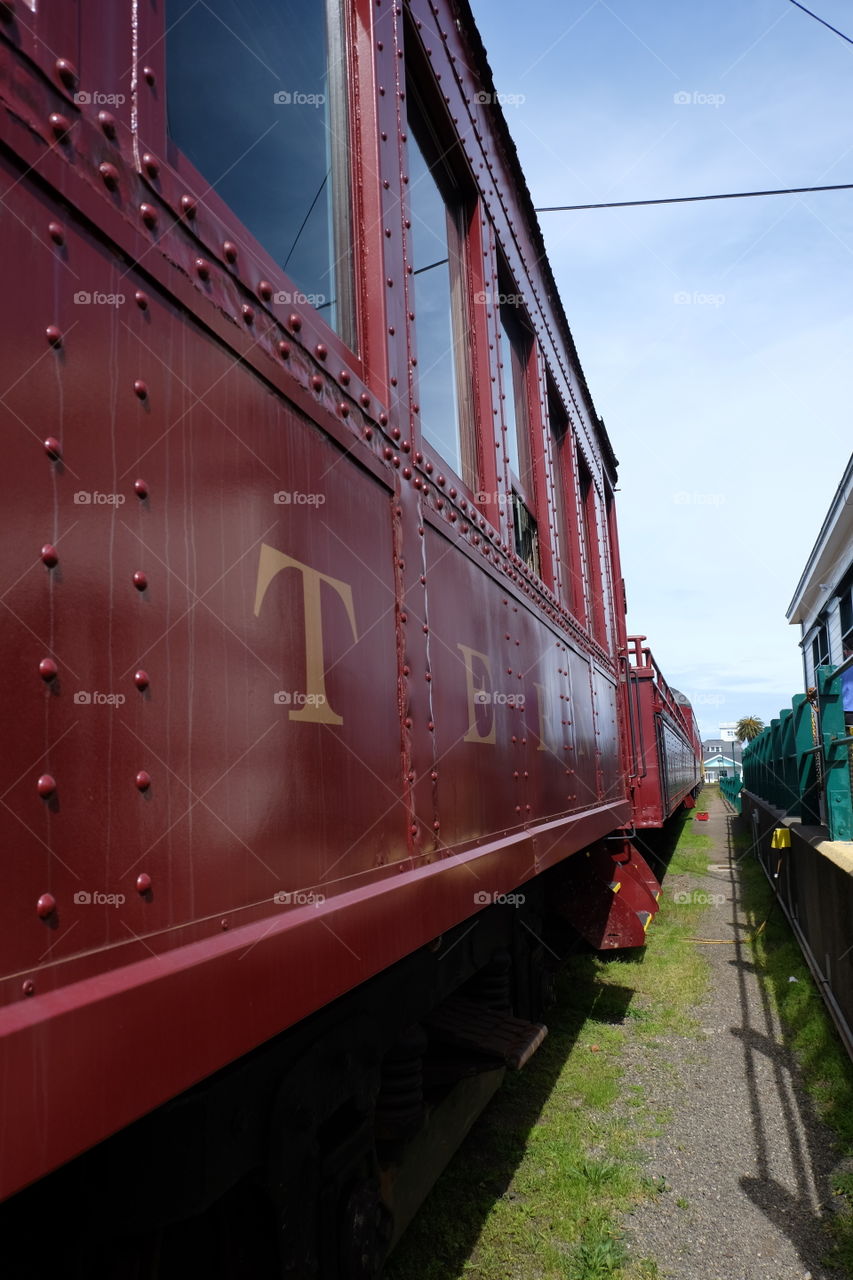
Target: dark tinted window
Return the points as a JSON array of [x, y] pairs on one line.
[[257, 103]]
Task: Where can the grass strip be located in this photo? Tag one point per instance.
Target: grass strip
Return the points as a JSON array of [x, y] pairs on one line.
[[539, 1188]]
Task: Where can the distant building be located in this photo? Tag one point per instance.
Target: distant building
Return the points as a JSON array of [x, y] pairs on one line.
[[823, 600], [721, 757]]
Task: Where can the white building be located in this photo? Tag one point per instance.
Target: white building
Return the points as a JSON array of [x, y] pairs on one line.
[[823, 600]]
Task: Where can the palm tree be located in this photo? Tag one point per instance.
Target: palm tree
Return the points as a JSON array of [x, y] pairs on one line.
[[747, 728]]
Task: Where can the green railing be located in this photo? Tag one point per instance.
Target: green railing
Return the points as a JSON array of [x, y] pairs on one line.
[[801, 762], [730, 788]]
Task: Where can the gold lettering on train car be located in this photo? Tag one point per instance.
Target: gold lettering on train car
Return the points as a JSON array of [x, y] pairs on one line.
[[272, 562], [480, 709]]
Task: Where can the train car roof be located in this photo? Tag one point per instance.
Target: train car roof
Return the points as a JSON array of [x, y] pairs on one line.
[[467, 27]]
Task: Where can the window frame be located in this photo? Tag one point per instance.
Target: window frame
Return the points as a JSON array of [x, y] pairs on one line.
[[217, 222], [440, 146]]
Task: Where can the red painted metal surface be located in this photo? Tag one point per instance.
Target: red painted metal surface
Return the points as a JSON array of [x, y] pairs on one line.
[[665, 754], [252, 763]]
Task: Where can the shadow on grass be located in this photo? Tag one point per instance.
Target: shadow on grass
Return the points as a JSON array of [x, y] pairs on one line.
[[482, 1170], [812, 1080]]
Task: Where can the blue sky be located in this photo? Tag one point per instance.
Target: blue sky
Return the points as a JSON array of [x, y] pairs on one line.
[[716, 338]]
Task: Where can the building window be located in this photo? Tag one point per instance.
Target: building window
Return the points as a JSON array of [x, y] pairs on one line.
[[820, 648], [564, 500], [440, 205], [516, 342], [257, 102]]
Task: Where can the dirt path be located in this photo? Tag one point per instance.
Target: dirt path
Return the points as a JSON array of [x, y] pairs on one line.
[[745, 1159]]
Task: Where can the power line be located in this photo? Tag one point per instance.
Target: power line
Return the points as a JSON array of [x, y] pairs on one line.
[[727, 195], [821, 21]]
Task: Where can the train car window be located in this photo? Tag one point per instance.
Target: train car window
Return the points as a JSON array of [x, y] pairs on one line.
[[516, 348], [560, 463], [257, 102], [440, 208], [595, 618]]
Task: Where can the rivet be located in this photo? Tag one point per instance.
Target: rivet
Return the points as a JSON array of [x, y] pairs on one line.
[[383, 419], [140, 679], [45, 906], [28, 987], [140, 389], [453, 493], [395, 461], [368, 433], [109, 173], [407, 473], [49, 555], [294, 322], [189, 205], [343, 409], [388, 232], [364, 400], [202, 268], [56, 231], [248, 313], [54, 335], [60, 125], [229, 248], [141, 299], [48, 670], [150, 77], [440, 479], [395, 433], [425, 629], [436, 826], [142, 780], [390, 283], [321, 351], [387, 453], [140, 580], [52, 448], [148, 214], [453, 517], [46, 785], [140, 488], [384, 137], [284, 350], [107, 122], [67, 73], [265, 290], [143, 882], [344, 378], [317, 382], [408, 722]]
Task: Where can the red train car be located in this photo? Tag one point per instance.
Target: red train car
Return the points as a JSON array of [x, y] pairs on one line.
[[313, 624], [666, 747]]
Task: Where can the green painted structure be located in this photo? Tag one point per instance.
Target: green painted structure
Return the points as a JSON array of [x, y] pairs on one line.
[[805, 755]]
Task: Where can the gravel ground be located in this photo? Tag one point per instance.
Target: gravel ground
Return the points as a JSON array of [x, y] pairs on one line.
[[744, 1153]]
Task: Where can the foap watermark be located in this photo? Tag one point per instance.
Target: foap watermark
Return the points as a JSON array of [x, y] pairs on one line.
[[708, 699], [696, 898], [296, 298], [296, 98], [696, 299], [483, 898], [485, 298], [485, 498], [85, 298], [284, 698], [299, 898], [487, 99], [94, 498], [697, 99], [295, 498], [87, 698], [683, 498], [484, 698], [97, 98], [95, 898]]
